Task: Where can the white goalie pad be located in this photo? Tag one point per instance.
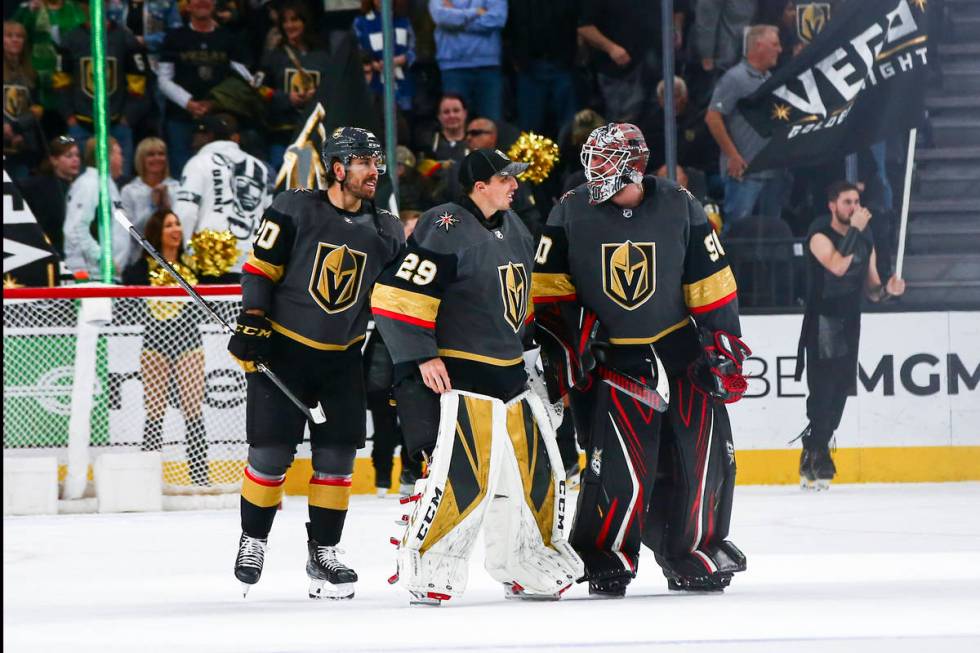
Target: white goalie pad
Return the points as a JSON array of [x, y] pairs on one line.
[[477, 472]]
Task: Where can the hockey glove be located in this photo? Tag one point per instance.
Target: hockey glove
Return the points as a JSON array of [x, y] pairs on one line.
[[250, 342], [718, 371]]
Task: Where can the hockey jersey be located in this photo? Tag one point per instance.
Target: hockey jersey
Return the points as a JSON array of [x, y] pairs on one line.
[[645, 271], [225, 189], [312, 266], [461, 291]]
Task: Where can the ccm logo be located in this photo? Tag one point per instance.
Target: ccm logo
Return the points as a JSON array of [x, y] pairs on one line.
[[561, 505], [430, 514]]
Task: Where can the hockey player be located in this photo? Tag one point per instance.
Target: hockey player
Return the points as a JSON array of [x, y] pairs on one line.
[[305, 289], [631, 288], [222, 187], [841, 267], [456, 308]]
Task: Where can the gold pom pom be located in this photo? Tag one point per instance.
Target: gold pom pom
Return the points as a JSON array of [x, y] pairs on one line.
[[160, 277], [540, 153], [215, 252]]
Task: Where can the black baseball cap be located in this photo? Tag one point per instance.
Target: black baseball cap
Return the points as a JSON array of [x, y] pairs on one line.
[[480, 165], [222, 125]]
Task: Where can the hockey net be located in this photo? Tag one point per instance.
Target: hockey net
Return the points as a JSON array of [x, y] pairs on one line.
[[89, 369]]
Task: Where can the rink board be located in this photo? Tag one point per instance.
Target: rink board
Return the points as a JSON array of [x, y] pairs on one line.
[[916, 416]]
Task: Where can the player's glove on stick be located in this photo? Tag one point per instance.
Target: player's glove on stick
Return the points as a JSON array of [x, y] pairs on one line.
[[250, 343], [718, 371]]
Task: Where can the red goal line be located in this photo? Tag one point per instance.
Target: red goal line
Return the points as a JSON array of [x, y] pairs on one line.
[[86, 291]]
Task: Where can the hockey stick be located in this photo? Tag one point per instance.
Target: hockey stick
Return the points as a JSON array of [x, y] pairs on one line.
[[633, 387], [314, 414]]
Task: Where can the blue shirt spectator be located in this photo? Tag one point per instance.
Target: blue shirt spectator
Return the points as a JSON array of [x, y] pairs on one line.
[[468, 51], [369, 35]]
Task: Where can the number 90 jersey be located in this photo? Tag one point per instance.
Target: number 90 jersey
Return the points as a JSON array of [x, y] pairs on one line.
[[312, 266], [644, 271], [461, 291]]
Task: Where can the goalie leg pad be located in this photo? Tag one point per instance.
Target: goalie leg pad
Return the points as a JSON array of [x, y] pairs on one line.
[[621, 464], [691, 511], [434, 552], [525, 534]]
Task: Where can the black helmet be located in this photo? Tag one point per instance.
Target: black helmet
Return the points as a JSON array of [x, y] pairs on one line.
[[345, 143]]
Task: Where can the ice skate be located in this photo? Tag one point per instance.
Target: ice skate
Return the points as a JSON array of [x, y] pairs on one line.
[[329, 577], [609, 588], [381, 492], [716, 582], [406, 483], [807, 479], [516, 592], [248, 563], [824, 469], [429, 598], [572, 475]]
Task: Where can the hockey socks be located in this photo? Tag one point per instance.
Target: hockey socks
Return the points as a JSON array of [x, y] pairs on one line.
[[153, 434], [197, 450], [261, 496], [329, 498]]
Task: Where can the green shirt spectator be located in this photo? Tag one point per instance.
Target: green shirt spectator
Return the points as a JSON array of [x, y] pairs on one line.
[[46, 22]]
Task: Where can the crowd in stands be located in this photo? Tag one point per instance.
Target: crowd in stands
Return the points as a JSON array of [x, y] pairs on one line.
[[467, 74]]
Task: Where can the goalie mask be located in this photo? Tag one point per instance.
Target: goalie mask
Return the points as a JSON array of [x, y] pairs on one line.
[[346, 143], [614, 156]]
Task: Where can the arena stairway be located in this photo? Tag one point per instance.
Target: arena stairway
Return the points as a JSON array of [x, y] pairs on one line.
[[942, 263]]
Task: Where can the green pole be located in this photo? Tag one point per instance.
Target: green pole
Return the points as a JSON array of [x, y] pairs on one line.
[[101, 123], [388, 77]]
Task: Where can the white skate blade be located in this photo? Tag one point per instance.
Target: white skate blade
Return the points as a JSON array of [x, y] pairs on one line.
[[417, 598], [822, 484], [807, 484], [321, 589], [245, 588], [518, 594]]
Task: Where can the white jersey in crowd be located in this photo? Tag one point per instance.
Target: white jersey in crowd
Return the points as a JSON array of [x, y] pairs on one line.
[[224, 188], [82, 251]]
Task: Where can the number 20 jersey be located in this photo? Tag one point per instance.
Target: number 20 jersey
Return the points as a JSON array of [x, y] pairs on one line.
[[645, 271], [312, 267]]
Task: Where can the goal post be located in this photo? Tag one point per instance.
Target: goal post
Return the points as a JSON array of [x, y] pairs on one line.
[[90, 369]]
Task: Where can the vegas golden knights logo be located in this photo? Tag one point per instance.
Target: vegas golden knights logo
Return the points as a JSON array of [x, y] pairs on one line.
[[514, 289], [301, 81], [88, 76], [629, 272], [336, 280], [811, 18], [15, 98]]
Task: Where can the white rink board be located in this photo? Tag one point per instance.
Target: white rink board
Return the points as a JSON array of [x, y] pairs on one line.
[[918, 400]]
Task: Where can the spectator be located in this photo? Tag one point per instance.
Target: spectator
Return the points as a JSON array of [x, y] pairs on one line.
[[152, 189], [626, 36], [194, 60], [82, 249], [125, 80], [223, 188], [448, 143], [294, 70], [21, 129], [542, 43], [573, 135], [149, 21], [468, 50], [47, 192], [369, 35], [719, 26], [738, 141], [172, 347], [46, 21], [695, 146], [414, 195], [841, 272]]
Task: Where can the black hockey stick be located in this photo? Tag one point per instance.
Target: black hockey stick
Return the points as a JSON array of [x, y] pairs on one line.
[[314, 414]]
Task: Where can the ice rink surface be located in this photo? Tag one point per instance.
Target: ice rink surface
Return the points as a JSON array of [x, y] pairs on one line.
[[859, 568]]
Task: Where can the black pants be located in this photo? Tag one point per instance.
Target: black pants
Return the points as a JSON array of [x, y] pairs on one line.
[[829, 389], [691, 508], [387, 436]]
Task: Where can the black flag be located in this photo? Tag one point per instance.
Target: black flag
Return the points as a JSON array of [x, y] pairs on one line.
[[861, 79], [28, 257]]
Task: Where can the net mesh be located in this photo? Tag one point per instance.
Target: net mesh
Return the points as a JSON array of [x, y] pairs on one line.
[[163, 381]]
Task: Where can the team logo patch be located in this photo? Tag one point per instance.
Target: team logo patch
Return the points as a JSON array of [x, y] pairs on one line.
[[88, 76], [15, 99], [629, 272], [335, 283], [514, 290], [446, 220], [811, 18], [595, 463], [301, 81]]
